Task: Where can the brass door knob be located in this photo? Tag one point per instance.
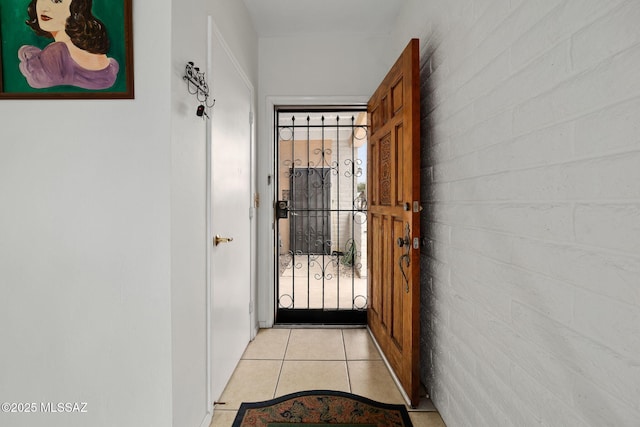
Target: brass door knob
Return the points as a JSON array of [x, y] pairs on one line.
[[217, 240]]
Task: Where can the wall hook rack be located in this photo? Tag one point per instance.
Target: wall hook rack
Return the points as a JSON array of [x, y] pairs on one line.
[[197, 85]]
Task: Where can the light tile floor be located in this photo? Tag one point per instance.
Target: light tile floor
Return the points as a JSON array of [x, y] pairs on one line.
[[282, 361]]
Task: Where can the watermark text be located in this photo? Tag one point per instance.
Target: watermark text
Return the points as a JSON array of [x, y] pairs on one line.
[[45, 407]]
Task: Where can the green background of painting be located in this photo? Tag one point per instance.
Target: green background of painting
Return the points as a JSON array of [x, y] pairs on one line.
[[14, 33]]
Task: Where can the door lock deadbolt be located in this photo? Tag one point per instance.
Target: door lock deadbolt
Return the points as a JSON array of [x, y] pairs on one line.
[[282, 209]]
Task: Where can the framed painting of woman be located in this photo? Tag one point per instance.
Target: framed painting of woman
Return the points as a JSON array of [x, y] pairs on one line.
[[70, 49]]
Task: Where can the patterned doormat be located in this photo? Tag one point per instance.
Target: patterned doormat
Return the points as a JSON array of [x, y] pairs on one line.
[[322, 407]]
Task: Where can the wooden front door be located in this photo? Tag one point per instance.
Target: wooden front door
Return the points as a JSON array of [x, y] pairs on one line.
[[394, 218]]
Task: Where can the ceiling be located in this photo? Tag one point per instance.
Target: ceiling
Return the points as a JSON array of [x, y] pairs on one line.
[[277, 18]]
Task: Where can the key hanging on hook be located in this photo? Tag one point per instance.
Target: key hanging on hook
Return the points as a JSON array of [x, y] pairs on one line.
[[201, 112]]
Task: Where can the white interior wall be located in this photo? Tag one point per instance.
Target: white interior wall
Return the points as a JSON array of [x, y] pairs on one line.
[[188, 221], [85, 247], [235, 25], [101, 225], [531, 298]]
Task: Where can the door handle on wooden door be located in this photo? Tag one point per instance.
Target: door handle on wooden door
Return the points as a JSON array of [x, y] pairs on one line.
[[405, 259], [403, 241]]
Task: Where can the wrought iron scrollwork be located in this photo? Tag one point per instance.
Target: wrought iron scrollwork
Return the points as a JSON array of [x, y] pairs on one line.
[[360, 302], [327, 268], [321, 174], [285, 301]]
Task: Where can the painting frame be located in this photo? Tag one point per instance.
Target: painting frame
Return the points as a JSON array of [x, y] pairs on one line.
[[15, 33]]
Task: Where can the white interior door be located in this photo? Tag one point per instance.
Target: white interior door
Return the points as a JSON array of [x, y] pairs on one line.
[[231, 202]]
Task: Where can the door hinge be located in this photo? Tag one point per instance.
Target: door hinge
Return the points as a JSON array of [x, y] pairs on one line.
[[256, 200]]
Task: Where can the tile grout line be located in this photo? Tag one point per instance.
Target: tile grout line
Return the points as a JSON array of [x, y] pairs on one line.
[[346, 360], [284, 355]]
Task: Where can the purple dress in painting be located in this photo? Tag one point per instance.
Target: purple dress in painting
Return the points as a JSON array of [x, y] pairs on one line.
[[53, 66]]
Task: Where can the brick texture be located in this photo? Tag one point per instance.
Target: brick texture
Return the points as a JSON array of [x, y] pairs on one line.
[[531, 175]]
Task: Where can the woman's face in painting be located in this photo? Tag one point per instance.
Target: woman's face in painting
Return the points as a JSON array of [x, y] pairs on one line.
[[53, 14]]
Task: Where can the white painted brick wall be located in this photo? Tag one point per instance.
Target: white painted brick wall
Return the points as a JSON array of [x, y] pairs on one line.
[[531, 271]]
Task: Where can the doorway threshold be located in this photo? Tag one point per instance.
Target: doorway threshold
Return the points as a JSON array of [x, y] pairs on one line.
[[321, 317]]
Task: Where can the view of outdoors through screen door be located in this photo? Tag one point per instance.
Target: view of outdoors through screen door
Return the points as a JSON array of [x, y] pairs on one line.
[[321, 211]]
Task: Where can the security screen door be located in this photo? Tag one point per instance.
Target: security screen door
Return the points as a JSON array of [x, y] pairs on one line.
[[321, 230], [309, 202]]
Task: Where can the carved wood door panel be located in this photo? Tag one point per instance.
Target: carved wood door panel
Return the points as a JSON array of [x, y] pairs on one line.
[[394, 218]]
